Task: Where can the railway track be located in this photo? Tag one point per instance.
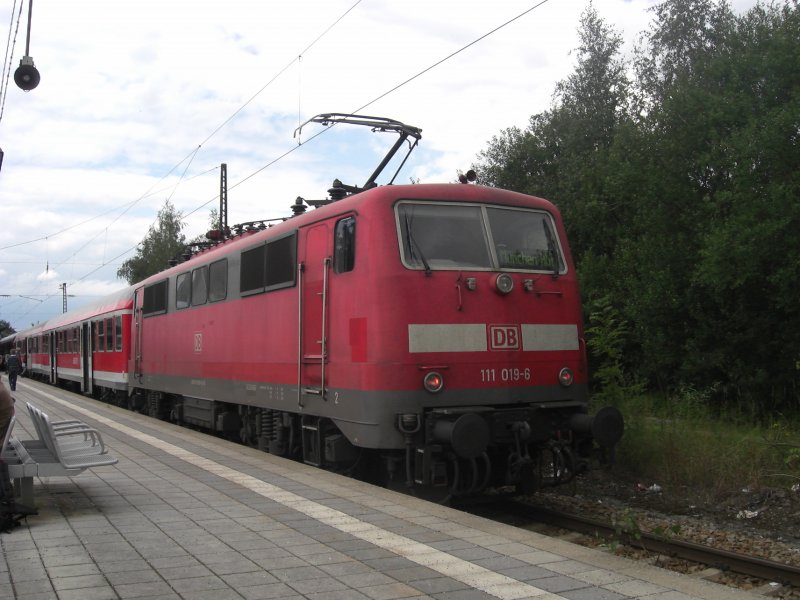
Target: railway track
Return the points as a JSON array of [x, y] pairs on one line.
[[525, 514]]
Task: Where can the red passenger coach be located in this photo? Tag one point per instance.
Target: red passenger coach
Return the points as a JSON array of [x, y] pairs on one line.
[[34, 344], [88, 347], [428, 336]]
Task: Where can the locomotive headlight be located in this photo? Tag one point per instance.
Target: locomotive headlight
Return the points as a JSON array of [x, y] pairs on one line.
[[504, 283], [565, 377], [433, 382]]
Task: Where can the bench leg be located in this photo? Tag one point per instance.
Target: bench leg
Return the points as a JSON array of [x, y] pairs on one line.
[[23, 492]]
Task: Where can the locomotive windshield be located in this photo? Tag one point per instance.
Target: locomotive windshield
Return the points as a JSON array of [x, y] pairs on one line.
[[438, 236]]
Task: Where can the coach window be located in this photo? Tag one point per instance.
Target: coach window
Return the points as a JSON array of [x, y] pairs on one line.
[[183, 290], [155, 299], [118, 332], [109, 335], [199, 286], [281, 260], [218, 280], [101, 336], [344, 245], [252, 273]]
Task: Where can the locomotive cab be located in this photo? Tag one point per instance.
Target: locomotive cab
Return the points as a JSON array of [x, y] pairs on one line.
[[479, 328]]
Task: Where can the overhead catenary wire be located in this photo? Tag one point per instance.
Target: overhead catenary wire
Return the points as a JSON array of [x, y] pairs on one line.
[[371, 102], [192, 154], [10, 45], [127, 206], [295, 147], [281, 72], [451, 55], [380, 97]]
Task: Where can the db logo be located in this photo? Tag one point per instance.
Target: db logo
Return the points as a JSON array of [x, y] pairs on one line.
[[504, 337]]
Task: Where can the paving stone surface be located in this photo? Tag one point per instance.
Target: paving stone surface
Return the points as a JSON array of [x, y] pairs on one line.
[[187, 516]]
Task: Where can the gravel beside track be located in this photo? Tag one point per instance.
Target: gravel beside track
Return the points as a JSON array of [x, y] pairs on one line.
[[764, 523]]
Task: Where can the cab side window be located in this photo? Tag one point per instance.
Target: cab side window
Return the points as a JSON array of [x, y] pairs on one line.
[[183, 290], [199, 286], [155, 299], [218, 280], [344, 245]]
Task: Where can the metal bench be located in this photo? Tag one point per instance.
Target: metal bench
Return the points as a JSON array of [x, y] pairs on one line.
[[63, 449], [74, 437]]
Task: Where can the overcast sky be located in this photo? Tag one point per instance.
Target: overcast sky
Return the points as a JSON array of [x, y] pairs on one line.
[[141, 101]]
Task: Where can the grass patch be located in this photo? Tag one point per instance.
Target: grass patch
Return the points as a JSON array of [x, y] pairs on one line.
[[679, 443]]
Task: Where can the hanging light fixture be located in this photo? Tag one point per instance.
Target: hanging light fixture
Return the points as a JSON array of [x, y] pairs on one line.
[[27, 75]]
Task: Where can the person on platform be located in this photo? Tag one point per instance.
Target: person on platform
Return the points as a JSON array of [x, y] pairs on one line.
[[13, 366], [6, 410]]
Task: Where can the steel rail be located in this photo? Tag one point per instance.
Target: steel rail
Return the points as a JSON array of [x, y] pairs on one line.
[[724, 560]]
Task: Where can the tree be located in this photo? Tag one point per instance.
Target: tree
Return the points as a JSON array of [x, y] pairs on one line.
[[679, 194], [562, 154], [163, 242], [6, 328], [745, 281], [682, 34]]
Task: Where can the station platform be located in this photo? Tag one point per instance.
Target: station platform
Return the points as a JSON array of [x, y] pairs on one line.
[[184, 515]]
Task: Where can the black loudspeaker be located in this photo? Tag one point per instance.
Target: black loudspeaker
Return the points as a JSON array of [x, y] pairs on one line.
[[27, 75]]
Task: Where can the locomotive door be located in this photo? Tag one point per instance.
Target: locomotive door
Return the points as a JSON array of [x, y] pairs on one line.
[[136, 350], [313, 291]]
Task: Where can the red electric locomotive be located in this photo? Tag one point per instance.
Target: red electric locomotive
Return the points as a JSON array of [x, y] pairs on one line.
[[431, 333], [428, 336]]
